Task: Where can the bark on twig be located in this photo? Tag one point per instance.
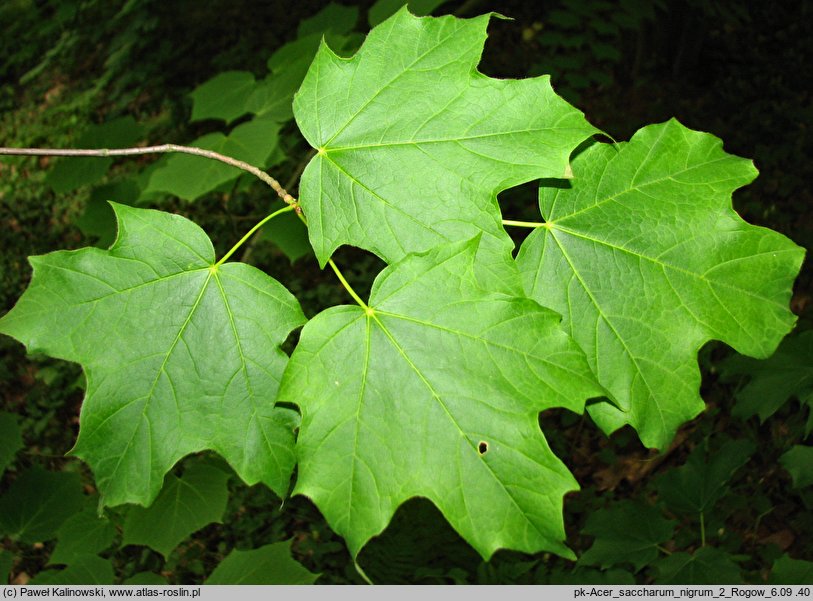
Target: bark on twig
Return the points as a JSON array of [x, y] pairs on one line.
[[163, 148]]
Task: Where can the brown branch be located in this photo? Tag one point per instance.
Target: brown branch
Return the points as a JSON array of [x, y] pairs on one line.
[[163, 148]]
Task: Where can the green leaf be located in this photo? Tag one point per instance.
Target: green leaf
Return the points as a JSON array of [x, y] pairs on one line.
[[435, 392], [146, 578], [334, 18], [273, 97], [37, 503], [222, 97], [698, 484], [706, 566], [647, 261], [412, 151], [90, 569], [271, 564], [190, 177], [68, 174], [288, 233], [82, 534], [590, 576], [170, 345], [185, 505], [799, 463], [11, 440], [118, 133], [606, 52], [791, 571], [774, 381], [292, 54], [626, 532], [6, 563], [383, 9]]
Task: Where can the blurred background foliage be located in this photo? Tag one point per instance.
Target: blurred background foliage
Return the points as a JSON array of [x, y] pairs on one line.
[[730, 501]]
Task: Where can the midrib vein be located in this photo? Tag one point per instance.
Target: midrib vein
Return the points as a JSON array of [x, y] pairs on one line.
[[694, 274], [148, 396], [454, 421]]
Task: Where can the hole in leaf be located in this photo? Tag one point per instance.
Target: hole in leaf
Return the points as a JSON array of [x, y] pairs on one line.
[[482, 448]]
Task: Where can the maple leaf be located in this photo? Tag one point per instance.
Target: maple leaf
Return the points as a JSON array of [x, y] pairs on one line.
[[645, 258], [414, 144], [223, 96], [169, 342], [270, 564], [434, 390], [788, 373], [707, 565], [185, 505], [190, 177], [627, 531]]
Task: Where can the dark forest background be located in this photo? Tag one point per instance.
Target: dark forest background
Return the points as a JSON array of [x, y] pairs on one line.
[[742, 71]]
